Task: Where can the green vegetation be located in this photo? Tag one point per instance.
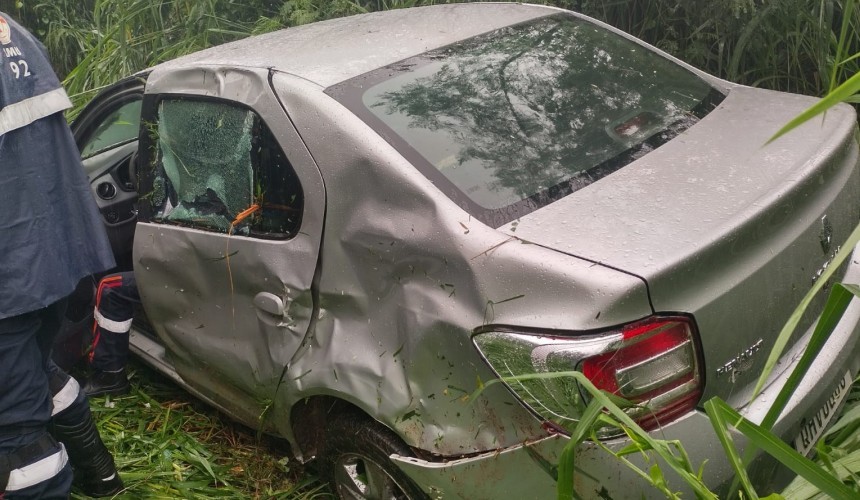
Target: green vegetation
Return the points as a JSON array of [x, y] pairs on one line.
[[169, 445], [833, 473], [785, 45]]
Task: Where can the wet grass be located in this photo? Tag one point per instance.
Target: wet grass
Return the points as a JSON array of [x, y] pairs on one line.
[[167, 444]]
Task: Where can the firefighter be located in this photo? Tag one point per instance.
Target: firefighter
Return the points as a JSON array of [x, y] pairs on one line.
[[52, 237]]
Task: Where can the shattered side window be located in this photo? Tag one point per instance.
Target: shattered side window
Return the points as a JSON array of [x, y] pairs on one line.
[[221, 169]]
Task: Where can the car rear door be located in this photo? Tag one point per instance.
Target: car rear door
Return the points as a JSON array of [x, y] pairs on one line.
[[231, 218]]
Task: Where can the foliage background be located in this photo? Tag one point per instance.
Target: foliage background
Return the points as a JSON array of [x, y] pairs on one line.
[[779, 44]]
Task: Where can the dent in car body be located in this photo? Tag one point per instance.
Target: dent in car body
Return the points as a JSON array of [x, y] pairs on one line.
[[402, 286], [387, 320]]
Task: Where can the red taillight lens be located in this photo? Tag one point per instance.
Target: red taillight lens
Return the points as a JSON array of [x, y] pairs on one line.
[[654, 364]]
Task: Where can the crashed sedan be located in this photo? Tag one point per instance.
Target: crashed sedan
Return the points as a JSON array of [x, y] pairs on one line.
[[341, 230]]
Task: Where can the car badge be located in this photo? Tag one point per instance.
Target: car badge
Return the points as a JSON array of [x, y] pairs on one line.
[[825, 237], [740, 363], [5, 32]]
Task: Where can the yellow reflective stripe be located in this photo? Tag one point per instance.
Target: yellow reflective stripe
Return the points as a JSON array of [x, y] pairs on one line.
[[23, 113]]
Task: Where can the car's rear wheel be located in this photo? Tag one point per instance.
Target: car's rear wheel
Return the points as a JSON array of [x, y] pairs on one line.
[[355, 460]]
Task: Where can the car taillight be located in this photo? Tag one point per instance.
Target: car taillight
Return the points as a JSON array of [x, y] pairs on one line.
[[653, 363]]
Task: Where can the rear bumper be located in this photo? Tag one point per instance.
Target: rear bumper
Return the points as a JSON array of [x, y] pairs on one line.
[[528, 470], [522, 471]]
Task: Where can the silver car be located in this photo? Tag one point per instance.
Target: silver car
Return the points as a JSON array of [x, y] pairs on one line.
[[342, 229]]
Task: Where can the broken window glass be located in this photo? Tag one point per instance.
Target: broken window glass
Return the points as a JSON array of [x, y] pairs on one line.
[[220, 165], [206, 155]]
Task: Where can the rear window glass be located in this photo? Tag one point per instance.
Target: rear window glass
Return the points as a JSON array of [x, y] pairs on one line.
[[512, 120]]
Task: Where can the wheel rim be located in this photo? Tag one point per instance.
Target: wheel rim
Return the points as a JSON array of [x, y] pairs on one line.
[[359, 477]]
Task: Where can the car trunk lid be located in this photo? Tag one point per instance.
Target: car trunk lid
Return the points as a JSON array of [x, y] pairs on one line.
[[721, 225]]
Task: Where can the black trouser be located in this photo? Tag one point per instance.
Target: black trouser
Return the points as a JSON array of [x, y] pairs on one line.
[[115, 301], [26, 406]]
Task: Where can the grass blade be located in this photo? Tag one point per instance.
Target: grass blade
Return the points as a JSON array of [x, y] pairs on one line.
[[786, 455], [847, 11], [794, 319], [840, 297], [721, 429], [566, 461], [660, 447], [839, 94], [838, 301]]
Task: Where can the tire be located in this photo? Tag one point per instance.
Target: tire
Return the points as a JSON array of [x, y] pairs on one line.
[[355, 460]]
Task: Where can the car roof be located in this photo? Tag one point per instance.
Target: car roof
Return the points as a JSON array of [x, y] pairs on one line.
[[332, 51]]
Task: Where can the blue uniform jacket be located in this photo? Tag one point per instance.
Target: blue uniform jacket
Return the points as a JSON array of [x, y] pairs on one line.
[[51, 234]]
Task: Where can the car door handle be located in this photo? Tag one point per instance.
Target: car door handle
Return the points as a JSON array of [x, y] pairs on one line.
[[270, 303]]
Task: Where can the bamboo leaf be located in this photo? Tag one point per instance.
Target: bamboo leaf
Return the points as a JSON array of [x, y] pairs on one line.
[[786, 455], [721, 429], [838, 301], [794, 319], [839, 94]]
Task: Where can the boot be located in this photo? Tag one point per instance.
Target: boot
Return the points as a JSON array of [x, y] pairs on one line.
[[103, 383], [94, 468]]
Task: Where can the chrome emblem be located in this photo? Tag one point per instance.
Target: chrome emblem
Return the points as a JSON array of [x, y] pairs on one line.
[[740, 363], [825, 237]]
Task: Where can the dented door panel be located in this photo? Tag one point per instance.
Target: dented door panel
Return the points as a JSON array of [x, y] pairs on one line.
[[199, 286]]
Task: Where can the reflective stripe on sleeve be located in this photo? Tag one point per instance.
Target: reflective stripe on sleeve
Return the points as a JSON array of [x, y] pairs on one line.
[[23, 113], [66, 396], [111, 325], [37, 472]]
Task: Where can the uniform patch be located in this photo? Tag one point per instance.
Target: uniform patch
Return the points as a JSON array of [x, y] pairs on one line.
[[5, 32]]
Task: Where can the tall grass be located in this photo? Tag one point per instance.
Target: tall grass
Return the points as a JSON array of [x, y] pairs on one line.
[[168, 445], [784, 45], [94, 43]]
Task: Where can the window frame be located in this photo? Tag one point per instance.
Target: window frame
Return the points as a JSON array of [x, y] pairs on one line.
[[102, 106]]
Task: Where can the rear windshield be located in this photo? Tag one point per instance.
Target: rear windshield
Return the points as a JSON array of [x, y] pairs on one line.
[[512, 120]]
